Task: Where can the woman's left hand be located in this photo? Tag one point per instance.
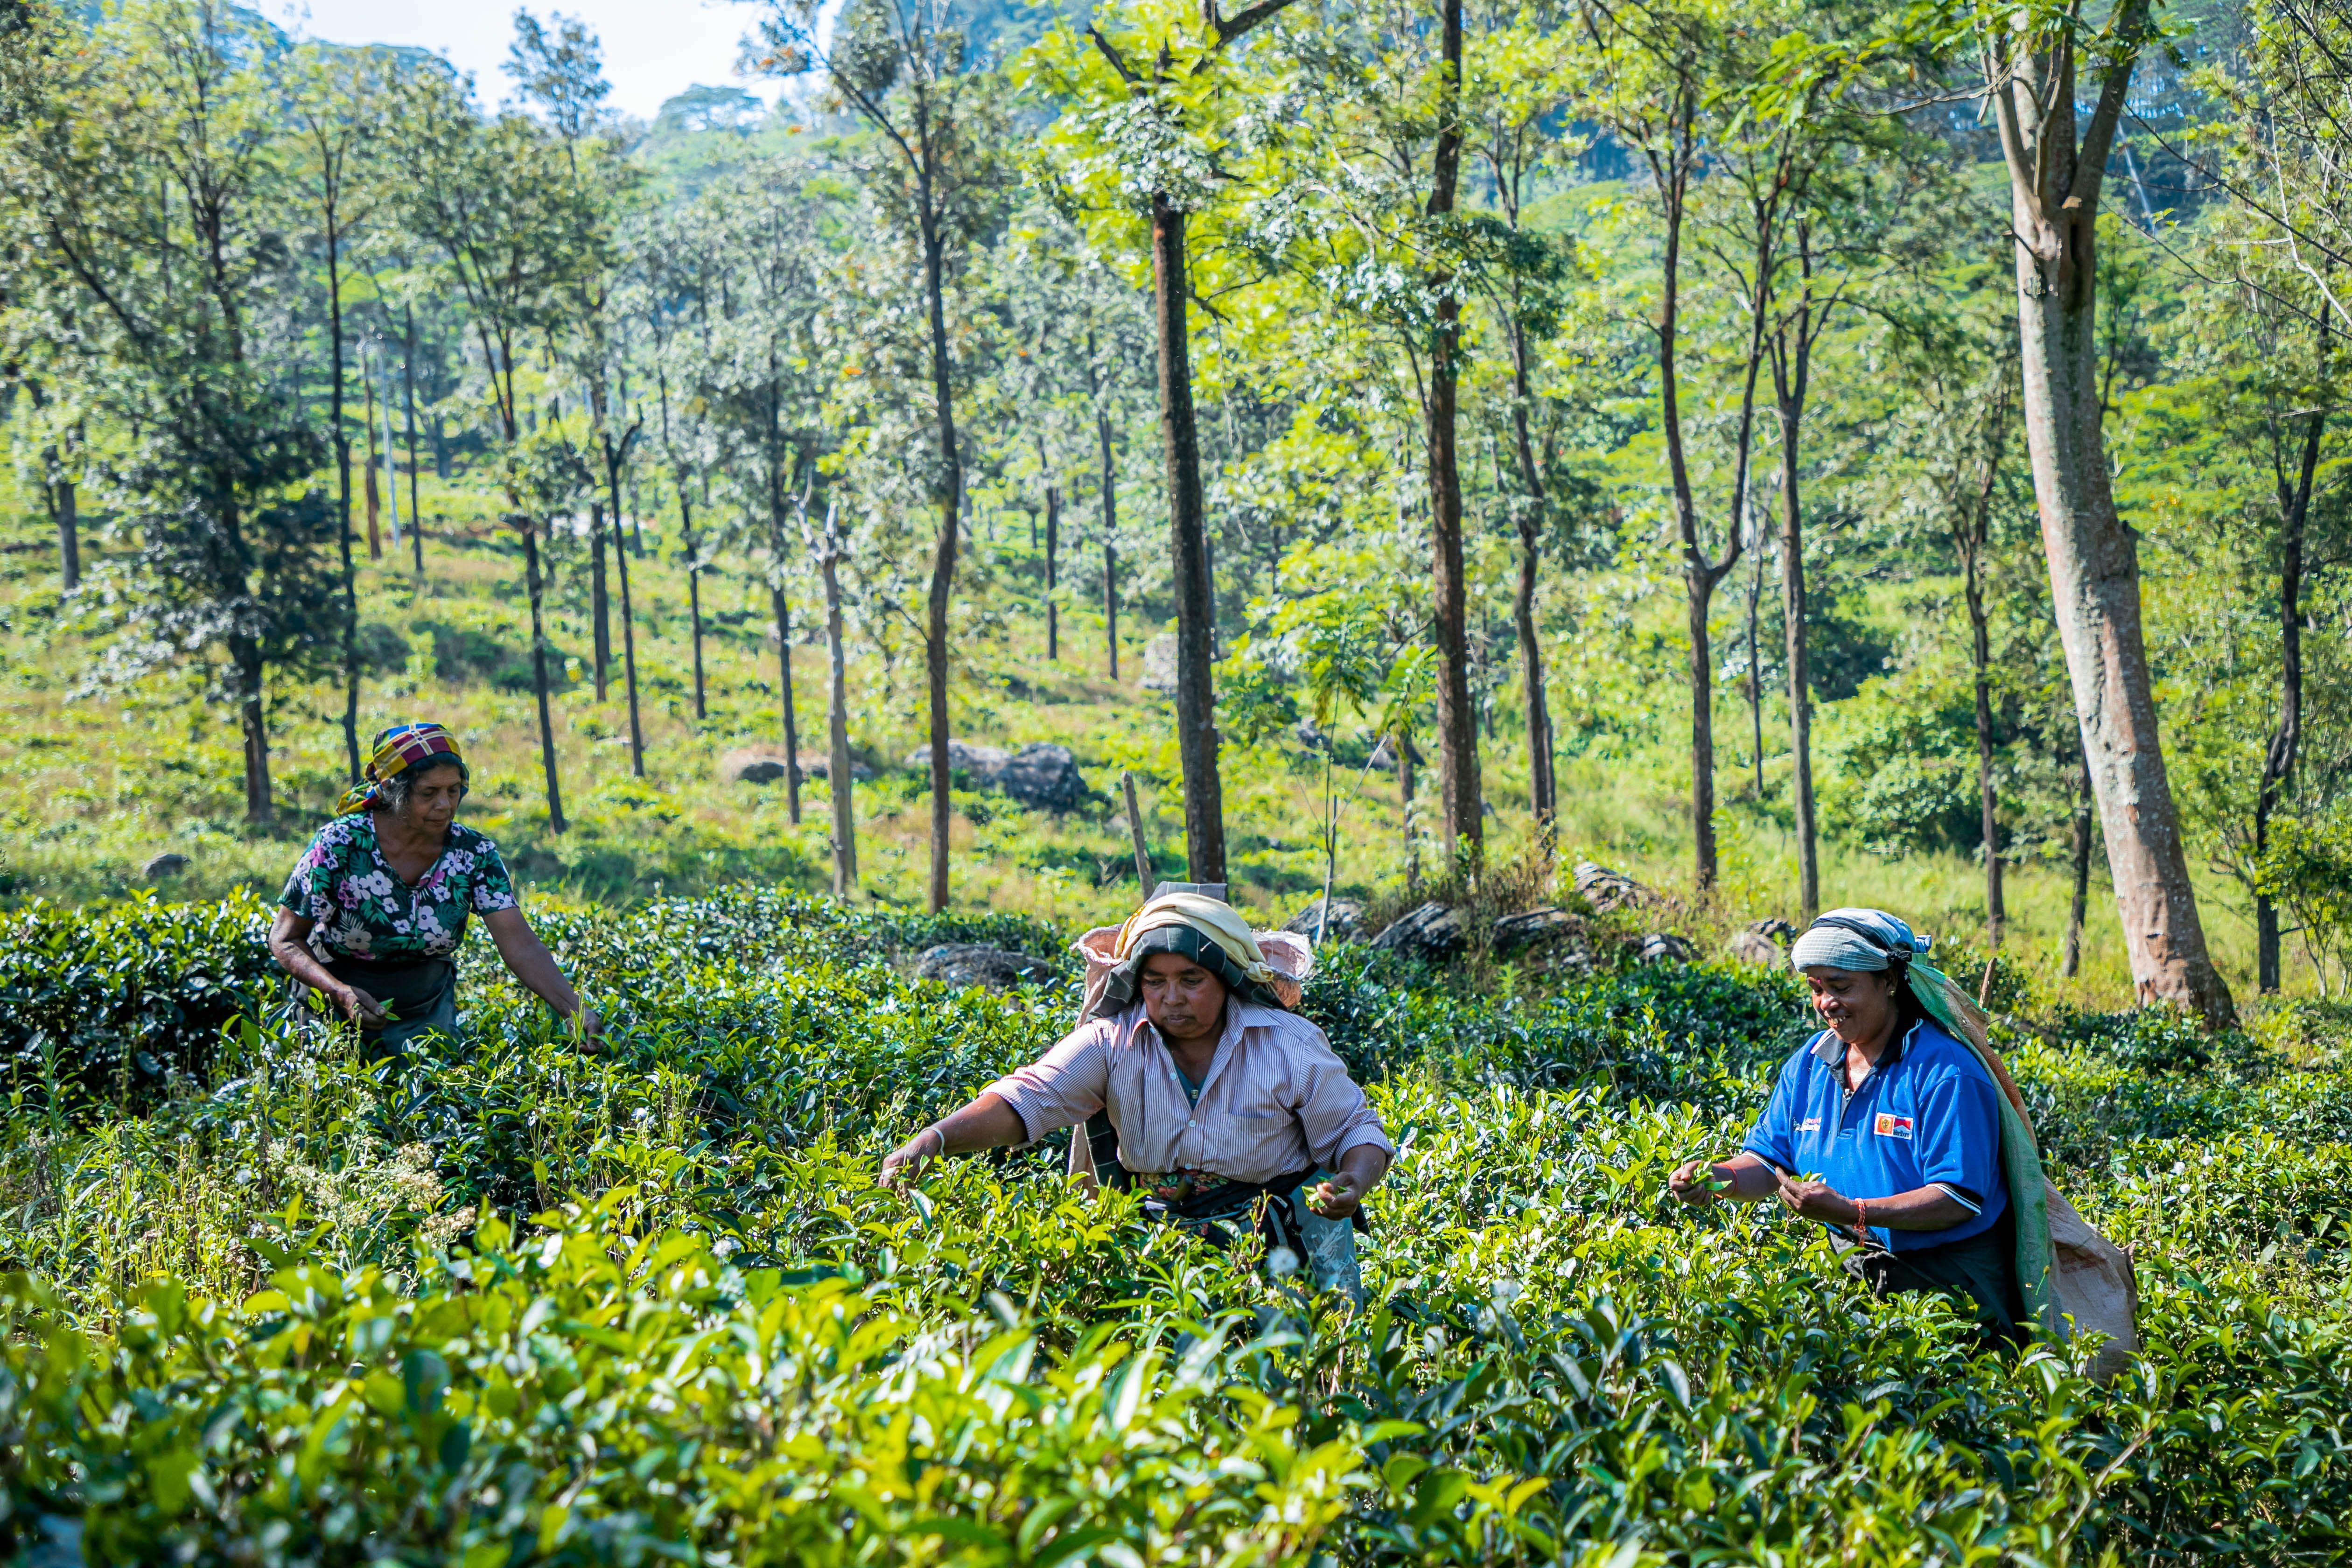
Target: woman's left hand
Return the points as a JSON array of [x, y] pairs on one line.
[[1337, 1198], [1818, 1200]]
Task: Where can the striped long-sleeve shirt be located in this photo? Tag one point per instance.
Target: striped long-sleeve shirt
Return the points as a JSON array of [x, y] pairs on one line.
[[1276, 1100]]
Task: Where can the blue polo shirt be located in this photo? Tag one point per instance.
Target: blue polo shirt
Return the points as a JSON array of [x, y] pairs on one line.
[[1928, 1115]]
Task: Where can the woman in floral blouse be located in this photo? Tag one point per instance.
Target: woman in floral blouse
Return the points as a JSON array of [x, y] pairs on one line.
[[371, 917]]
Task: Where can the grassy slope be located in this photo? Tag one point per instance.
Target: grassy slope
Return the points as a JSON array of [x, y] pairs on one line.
[[92, 785]]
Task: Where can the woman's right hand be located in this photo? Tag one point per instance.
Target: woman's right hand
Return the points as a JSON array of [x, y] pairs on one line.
[[904, 1162], [358, 1005], [1697, 1182]]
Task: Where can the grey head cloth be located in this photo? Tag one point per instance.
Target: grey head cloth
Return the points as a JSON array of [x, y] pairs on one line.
[[1857, 940], [1124, 982]]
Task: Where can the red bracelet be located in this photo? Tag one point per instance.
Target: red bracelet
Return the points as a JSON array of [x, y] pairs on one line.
[[1861, 1221]]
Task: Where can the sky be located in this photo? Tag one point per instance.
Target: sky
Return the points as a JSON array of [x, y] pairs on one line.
[[652, 49]]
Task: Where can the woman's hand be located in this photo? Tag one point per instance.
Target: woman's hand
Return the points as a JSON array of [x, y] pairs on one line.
[[1818, 1200], [1337, 1198], [1697, 1182], [1360, 1170], [358, 1006], [902, 1164]]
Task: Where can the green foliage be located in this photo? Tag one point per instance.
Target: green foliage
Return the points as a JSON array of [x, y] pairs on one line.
[[508, 1302]]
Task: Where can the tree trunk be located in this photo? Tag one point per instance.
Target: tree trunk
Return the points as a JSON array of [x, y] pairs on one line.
[[693, 596], [628, 630], [2094, 559], [1196, 731], [2279, 757], [1110, 556], [783, 610], [374, 500], [1699, 590], [1404, 794], [840, 778], [1988, 792], [1457, 719], [62, 506], [1755, 661], [440, 449], [245, 656], [2070, 962], [534, 585], [1053, 548], [1801, 685], [1972, 533], [943, 556], [1543, 795], [1700, 574], [408, 396], [599, 622], [343, 441]]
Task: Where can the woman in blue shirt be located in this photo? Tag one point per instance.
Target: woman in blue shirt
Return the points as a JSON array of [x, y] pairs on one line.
[[1884, 1128]]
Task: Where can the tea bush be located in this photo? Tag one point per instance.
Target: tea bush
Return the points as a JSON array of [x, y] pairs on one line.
[[509, 1302]]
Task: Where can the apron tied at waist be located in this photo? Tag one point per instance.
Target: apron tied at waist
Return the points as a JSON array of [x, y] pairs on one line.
[[1206, 1213], [408, 990]]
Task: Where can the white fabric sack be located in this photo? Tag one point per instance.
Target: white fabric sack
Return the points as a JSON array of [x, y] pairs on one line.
[[2094, 1283]]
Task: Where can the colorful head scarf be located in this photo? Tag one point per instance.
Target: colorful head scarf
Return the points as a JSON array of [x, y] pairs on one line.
[[1207, 930], [398, 749]]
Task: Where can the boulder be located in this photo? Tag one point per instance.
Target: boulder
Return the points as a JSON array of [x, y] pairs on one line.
[[1159, 663], [753, 765], [1607, 891], [964, 965], [165, 867], [1039, 774], [1762, 943], [1044, 775], [1346, 919], [816, 768], [1431, 931], [1665, 947], [1534, 927]]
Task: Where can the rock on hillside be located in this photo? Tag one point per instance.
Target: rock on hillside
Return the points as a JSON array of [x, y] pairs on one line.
[[1760, 943], [1159, 663], [753, 765], [964, 965], [1607, 891], [1346, 919], [1432, 930], [1040, 774]]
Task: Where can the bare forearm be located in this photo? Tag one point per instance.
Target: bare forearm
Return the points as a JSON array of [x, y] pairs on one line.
[[295, 958], [988, 1122], [1749, 1179], [289, 945], [1922, 1208], [1364, 1165], [528, 960]]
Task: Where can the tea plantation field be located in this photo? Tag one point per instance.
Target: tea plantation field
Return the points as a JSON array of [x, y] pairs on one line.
[[519, 1304]]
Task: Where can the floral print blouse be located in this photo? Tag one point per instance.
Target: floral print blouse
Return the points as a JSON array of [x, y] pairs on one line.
[[359, 908]]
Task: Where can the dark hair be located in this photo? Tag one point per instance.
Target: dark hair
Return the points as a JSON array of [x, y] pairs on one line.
[[392, 794]]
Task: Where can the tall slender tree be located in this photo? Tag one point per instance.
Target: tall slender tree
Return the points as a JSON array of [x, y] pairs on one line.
[[2056, 161], [1156, 99], [497, 202], [902, 68]]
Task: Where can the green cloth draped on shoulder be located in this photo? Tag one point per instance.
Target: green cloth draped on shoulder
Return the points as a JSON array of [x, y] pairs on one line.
[[2020, 1156]]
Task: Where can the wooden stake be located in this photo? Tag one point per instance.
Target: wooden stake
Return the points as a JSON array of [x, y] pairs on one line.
[[1135, 831]]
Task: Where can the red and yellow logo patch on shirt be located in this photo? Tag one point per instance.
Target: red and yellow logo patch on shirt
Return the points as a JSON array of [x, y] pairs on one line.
[[1891, 1126]]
